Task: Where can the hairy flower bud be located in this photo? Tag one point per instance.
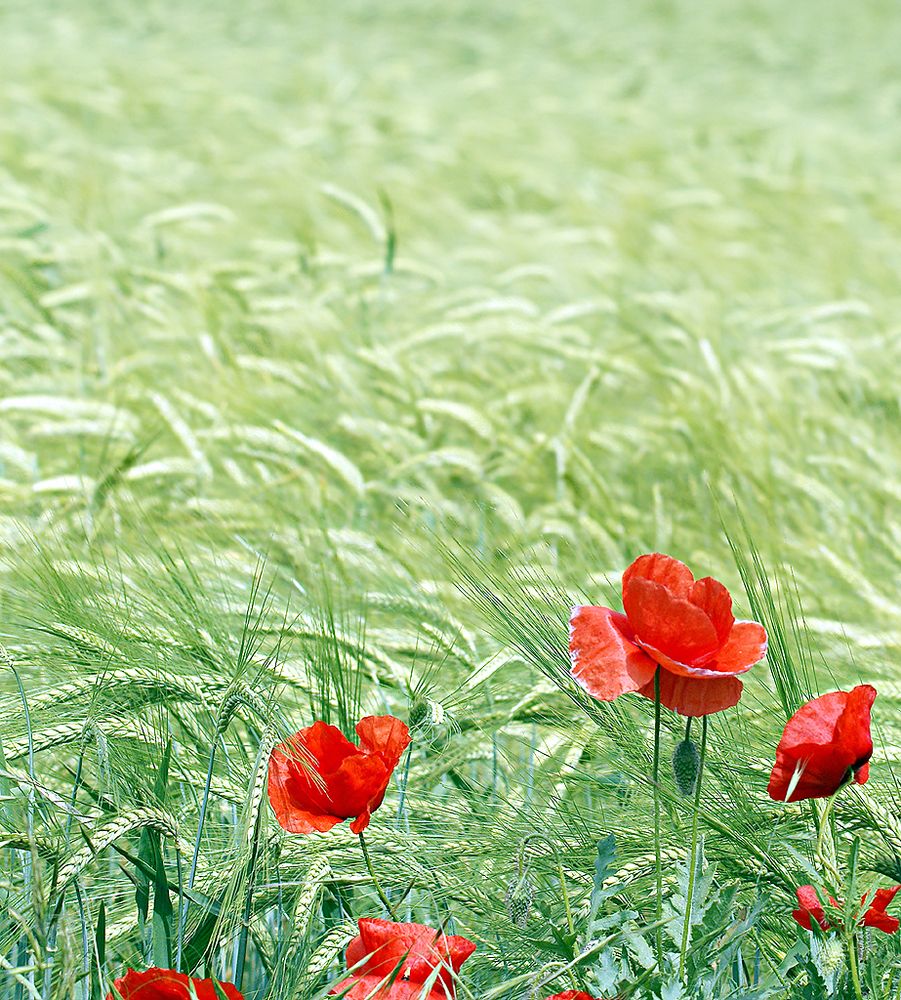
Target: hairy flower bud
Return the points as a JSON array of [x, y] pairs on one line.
[[829, 956], [686, 763], [518, 900]]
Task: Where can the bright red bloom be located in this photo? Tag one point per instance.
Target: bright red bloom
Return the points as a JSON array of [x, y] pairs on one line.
[[811, 909], [398, 959], [876, 915], [684, 626], [571, 995], [824, 744], [167, 984], [318, 778]]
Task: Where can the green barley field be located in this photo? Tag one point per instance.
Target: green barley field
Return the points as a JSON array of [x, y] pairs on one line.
[[343, 348]]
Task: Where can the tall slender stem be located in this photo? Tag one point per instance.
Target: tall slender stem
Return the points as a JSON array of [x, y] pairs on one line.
[[656, 783], [241, 952], [375, 878], [693, 863], [569, 913], [186, 902], [852, 962]]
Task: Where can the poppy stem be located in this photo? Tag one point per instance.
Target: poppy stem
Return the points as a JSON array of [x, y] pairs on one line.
[[852, 963], [375, 878], [693, 864], [656, 781]]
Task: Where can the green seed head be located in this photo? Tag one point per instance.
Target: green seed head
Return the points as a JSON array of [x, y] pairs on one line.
[[518, 900], [829, 956], [686, 763]]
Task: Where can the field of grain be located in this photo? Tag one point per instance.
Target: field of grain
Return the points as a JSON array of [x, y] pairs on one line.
[[343, 348]]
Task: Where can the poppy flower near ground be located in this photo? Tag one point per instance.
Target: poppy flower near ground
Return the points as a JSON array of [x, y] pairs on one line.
[[318, 778], [810, 909], [167, 984], [571, 995], [825, 744], [876, 915], [672, 621], [399, 959]]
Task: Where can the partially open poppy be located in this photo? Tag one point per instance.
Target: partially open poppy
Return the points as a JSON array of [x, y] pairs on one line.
[[810, 909], [571, 995], [398, 960], [318, 778], [684, 626], [825, 744], [876, 915], [167, 984]]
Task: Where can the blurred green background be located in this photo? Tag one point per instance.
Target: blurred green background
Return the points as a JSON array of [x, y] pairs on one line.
[[297, 297], [330, 282]]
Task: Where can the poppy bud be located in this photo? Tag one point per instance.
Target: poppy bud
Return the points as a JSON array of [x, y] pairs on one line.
[[829, 956], [686, 764], [518, 900]]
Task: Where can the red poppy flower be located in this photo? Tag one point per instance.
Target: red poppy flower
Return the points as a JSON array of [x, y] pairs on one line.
[[684, 626], [875, 916], [571, 995], [167, 984], [398, 959], [824, 744], [318, 778], [810, 908]]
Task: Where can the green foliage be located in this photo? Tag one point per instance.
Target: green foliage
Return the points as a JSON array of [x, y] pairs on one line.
[[342, 350]]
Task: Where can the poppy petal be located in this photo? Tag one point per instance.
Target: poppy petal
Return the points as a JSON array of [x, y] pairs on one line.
[[852, 730], [822, 743], [358, 785], [318, 778], [415, 949], [167, 984], [745, 645], [299, 806], [716, 602], [377, 986], [326, 744], [356, 952], [675, 576], [810, 908], [671, 624], [695, 696], [391, 941], [605, 662], [362, 821], [814, 722], [385, 736], [810, 772], [881, 921], [876, 915], [681, 669]]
